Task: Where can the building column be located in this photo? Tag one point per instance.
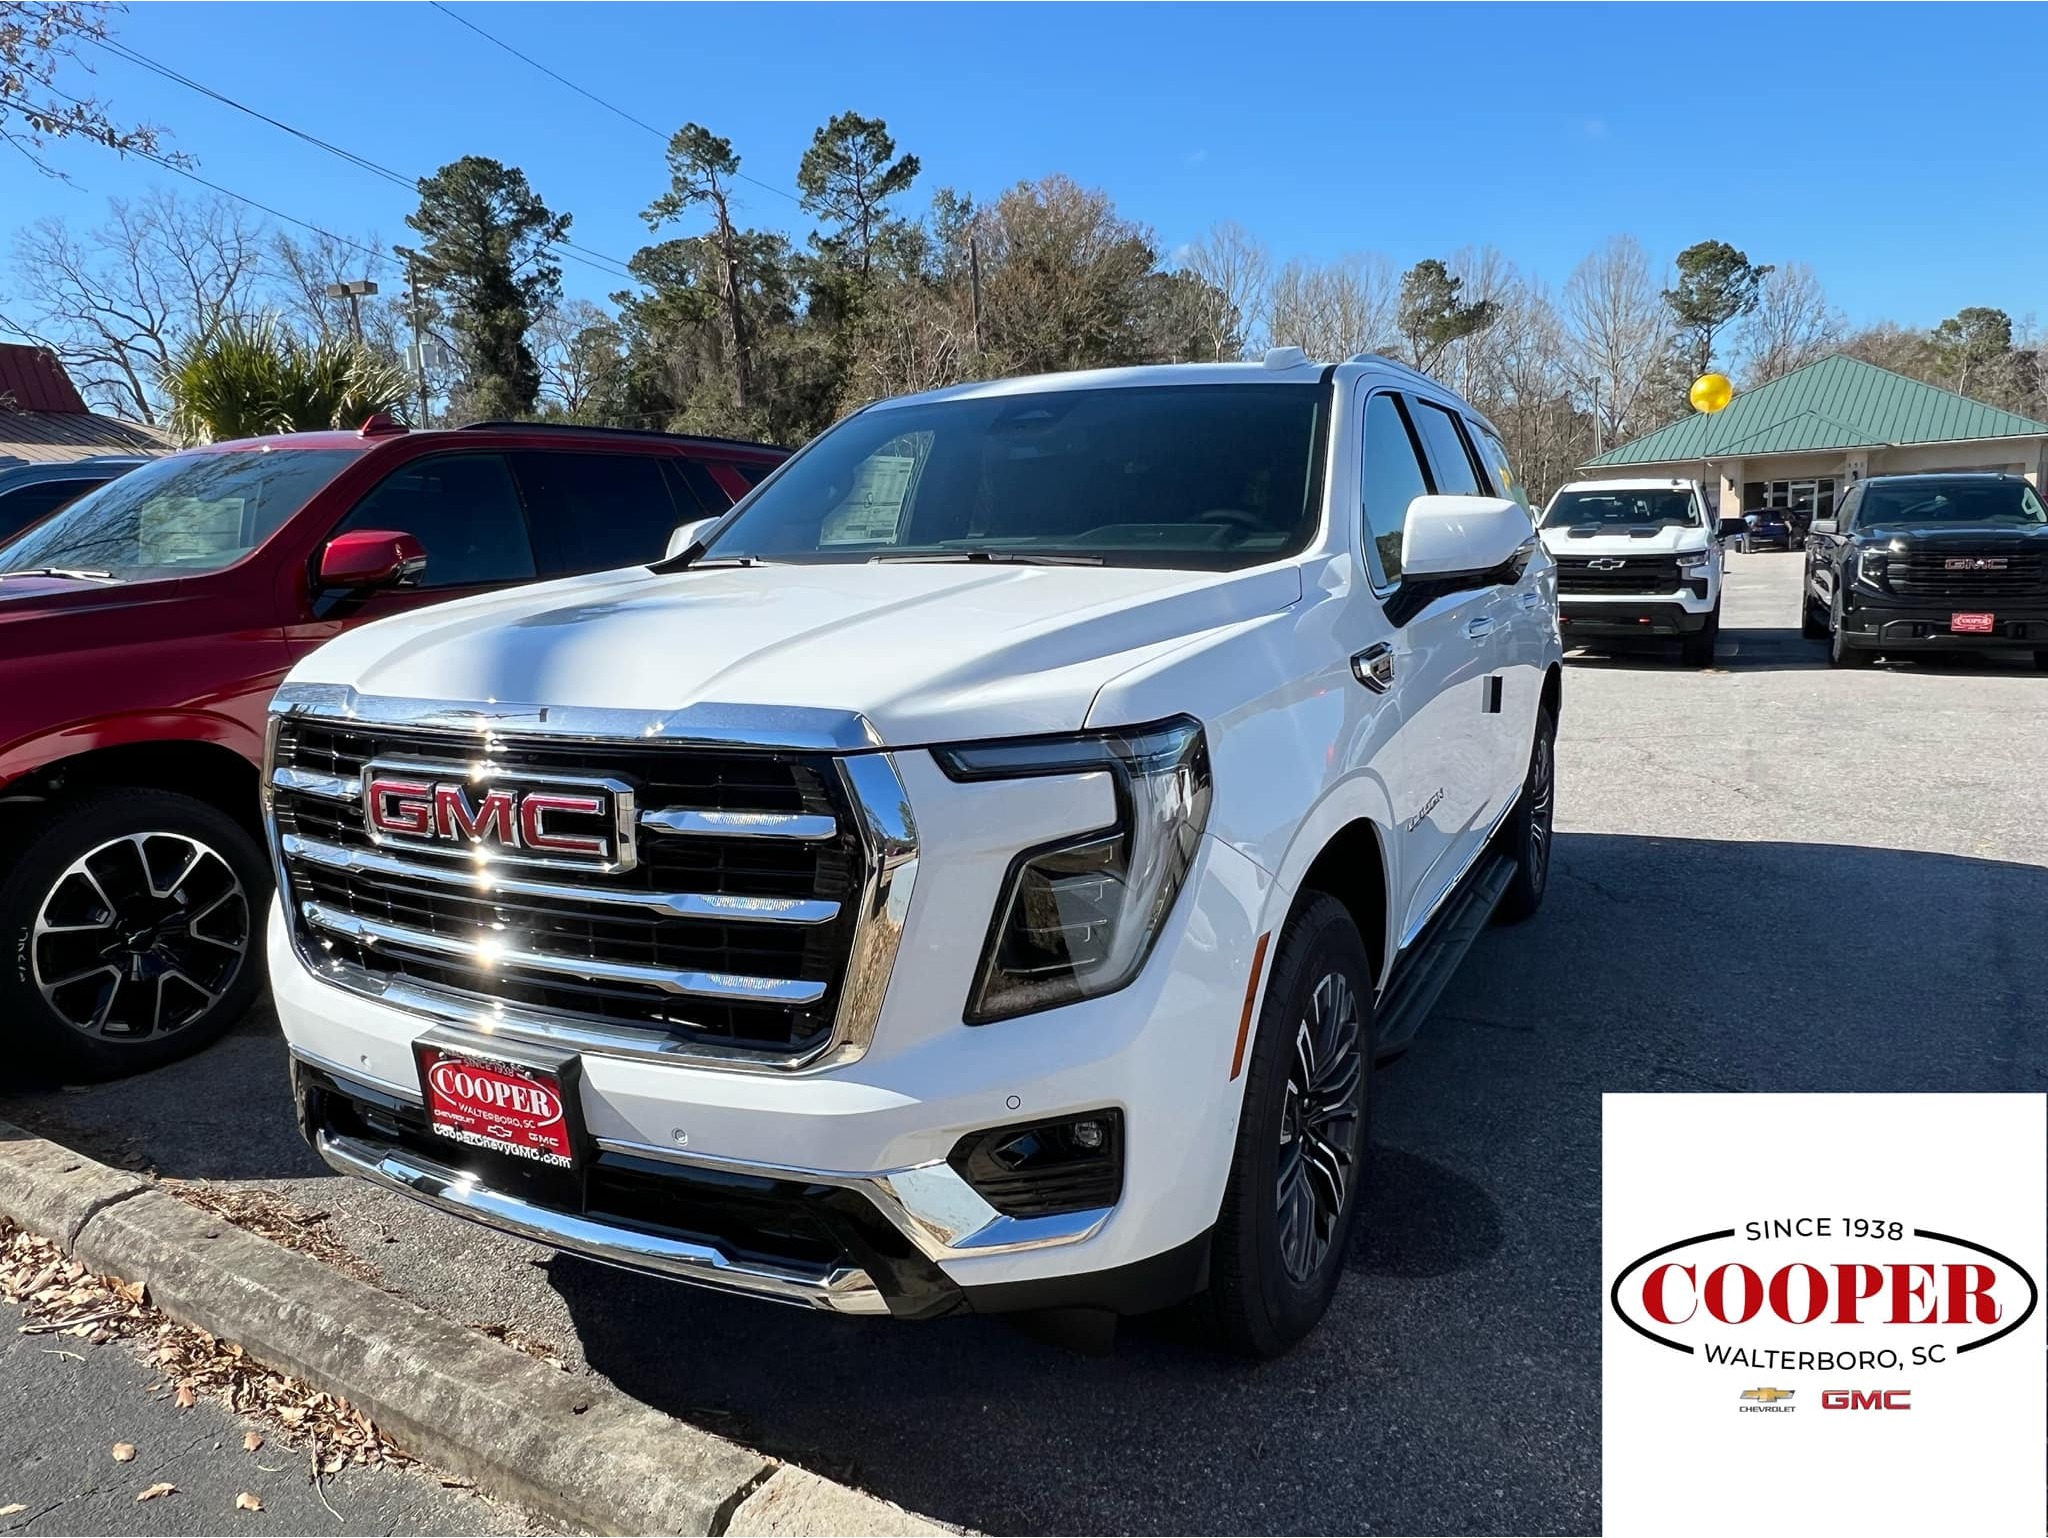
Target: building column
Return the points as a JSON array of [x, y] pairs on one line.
[[1855, 468], [1731, 488]]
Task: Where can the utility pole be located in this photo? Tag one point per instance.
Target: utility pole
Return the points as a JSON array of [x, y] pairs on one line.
[[974, 282], [419, 347]]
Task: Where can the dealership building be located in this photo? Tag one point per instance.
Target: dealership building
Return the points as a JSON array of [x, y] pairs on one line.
[[1801, 440]]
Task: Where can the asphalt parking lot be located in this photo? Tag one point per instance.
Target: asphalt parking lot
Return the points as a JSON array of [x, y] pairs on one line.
[[1770, 876]]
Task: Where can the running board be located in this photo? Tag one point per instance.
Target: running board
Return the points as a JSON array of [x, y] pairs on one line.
[[1426, 967]]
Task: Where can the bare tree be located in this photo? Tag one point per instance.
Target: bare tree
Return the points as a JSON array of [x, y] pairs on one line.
[[1233, 262], [1064, 278], [1337, 310], [578, 346], [114, 304], [1619, 330], [1791, 325]]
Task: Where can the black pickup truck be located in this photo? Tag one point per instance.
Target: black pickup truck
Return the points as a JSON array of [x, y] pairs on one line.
[[1928, 563]]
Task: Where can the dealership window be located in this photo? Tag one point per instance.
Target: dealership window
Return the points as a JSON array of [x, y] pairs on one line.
[[1806, 499]]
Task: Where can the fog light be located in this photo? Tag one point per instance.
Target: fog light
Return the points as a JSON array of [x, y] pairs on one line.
[[1037, 1169], [1088, 1134]]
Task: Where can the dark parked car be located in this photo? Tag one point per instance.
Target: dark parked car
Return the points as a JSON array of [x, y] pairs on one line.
[[1921, 563], [1768, 526], [30, 493], [143, 630]]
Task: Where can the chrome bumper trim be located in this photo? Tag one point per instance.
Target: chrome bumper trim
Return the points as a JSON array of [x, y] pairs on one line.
[[333, 786], [839, 1290], [484, 951], [484, 882]]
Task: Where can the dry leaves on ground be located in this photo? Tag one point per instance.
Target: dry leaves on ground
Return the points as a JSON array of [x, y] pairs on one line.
[[248, 1500], [58, 1296], [251, 1441], [156, 1490], [275, 1217], [13, 1509], [539, 1350], [124, 1452]]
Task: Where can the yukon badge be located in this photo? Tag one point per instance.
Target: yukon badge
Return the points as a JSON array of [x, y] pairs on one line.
[[585, 824]]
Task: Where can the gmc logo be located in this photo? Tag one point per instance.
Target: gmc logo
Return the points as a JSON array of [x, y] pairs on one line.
[[1866, 1399], [578, 824]]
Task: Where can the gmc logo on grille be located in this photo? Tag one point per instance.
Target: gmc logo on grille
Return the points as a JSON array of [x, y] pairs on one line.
[[550, 823], [1974, 563]]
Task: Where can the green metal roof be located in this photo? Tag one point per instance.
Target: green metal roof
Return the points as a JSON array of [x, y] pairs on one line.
[[1836, 402]]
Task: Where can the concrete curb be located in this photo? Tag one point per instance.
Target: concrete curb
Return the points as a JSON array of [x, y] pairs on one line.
[[572, 1447]]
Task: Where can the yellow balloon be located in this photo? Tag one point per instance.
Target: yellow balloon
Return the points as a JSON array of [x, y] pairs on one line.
[[1710, 392]]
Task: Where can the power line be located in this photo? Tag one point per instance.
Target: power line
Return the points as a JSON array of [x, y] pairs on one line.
[[610, 265], [593, 96]]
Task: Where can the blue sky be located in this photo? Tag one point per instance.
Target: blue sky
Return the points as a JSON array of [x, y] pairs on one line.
[[1894, 148]]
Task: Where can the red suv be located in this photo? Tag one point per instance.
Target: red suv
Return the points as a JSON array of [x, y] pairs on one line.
[[143, 629]]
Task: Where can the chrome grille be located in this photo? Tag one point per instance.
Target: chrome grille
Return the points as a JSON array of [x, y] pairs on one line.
[[731, 931]]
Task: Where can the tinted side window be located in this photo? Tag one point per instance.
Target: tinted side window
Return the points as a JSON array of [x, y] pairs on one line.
[[701, 485], [1393, 478], [1456, 475], [594, 512], [750, 472], [1496, 456], [38, 499], [464, 509], [1847, 513]]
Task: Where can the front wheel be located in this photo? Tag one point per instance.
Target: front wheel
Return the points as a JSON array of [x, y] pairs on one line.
[[136, 914], [1525, 836], [1813, 620], [1292, 1195], [1842, 653], [1697, 649]]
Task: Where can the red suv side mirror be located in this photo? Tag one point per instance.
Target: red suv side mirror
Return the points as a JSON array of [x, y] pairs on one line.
[[373, 558]]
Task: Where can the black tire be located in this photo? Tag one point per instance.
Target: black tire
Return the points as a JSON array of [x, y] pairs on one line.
[[1697, 649], [1813, 622], [1842, 653], [135, 918], [1267, 1288], [1526, 836]]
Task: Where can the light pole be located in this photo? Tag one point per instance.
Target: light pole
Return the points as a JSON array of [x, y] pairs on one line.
[[353, 291]]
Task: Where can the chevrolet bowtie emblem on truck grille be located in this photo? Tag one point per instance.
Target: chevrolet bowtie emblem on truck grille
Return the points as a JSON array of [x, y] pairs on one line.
[[1605, 563], [1974, 563], [1768, 1395]]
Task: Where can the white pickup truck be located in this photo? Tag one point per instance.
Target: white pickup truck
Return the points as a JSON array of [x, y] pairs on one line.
[[977, 873]]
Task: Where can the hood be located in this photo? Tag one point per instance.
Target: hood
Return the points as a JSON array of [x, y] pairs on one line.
[[928, 653], [1976, 537], [1667, 541]]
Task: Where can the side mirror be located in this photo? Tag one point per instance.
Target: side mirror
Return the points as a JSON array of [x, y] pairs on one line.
[[1731, 527], [1461, 536], [367, 558], [1821, 526], [686, 535]]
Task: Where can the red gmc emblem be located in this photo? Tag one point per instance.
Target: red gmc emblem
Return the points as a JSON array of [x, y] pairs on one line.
[[551, 823]]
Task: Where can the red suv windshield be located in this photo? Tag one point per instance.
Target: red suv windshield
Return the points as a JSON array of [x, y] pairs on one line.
[[178, 517]]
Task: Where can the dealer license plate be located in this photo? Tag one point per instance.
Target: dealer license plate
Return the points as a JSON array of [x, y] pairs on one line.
[[489, 1103], [1972, 624]]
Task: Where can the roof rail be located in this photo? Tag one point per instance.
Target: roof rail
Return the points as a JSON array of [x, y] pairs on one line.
[[1381, 360], [619, 432]]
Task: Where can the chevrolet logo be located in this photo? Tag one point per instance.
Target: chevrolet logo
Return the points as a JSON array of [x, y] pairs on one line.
[[1605, 563], [1768, 1395]]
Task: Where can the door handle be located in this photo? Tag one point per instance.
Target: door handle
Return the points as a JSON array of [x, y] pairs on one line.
[[1374, 667], [1479, 629]]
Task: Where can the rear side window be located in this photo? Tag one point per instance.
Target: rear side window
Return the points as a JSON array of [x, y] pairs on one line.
[[752, 474], [595, 512], [1393, 478], [1496, 456], [1456, 475], [699, 485], [464, 509], [23, 506]]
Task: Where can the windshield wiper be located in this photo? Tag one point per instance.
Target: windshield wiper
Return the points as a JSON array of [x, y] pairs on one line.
[[1006, 557], [78, 573]]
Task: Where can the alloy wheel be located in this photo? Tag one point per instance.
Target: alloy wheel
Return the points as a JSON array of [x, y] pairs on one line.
[[1542, 779], [1319, 1121], [140, 936]]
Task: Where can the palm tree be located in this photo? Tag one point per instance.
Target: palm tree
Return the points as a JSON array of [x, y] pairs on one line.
[[251, 376]]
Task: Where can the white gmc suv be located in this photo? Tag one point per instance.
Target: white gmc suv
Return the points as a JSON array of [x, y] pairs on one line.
[[979, 872], [1638, 559]]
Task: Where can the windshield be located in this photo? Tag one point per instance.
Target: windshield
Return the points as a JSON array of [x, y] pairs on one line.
[[178, 517], [1211, 476], [1639, 509], [2001, 504]]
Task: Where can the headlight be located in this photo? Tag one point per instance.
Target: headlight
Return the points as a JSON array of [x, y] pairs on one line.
[[1077, 919], [1871, 566], [1695, 560]]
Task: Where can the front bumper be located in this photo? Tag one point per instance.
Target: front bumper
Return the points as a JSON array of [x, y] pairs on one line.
[[1920, 625], [860, 1148], [1628, 616]]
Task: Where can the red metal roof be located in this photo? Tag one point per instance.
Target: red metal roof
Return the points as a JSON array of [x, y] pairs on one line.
[[33, 380]]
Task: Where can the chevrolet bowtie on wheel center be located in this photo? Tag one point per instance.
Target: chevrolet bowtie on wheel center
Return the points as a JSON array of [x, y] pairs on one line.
[[978, 872]]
